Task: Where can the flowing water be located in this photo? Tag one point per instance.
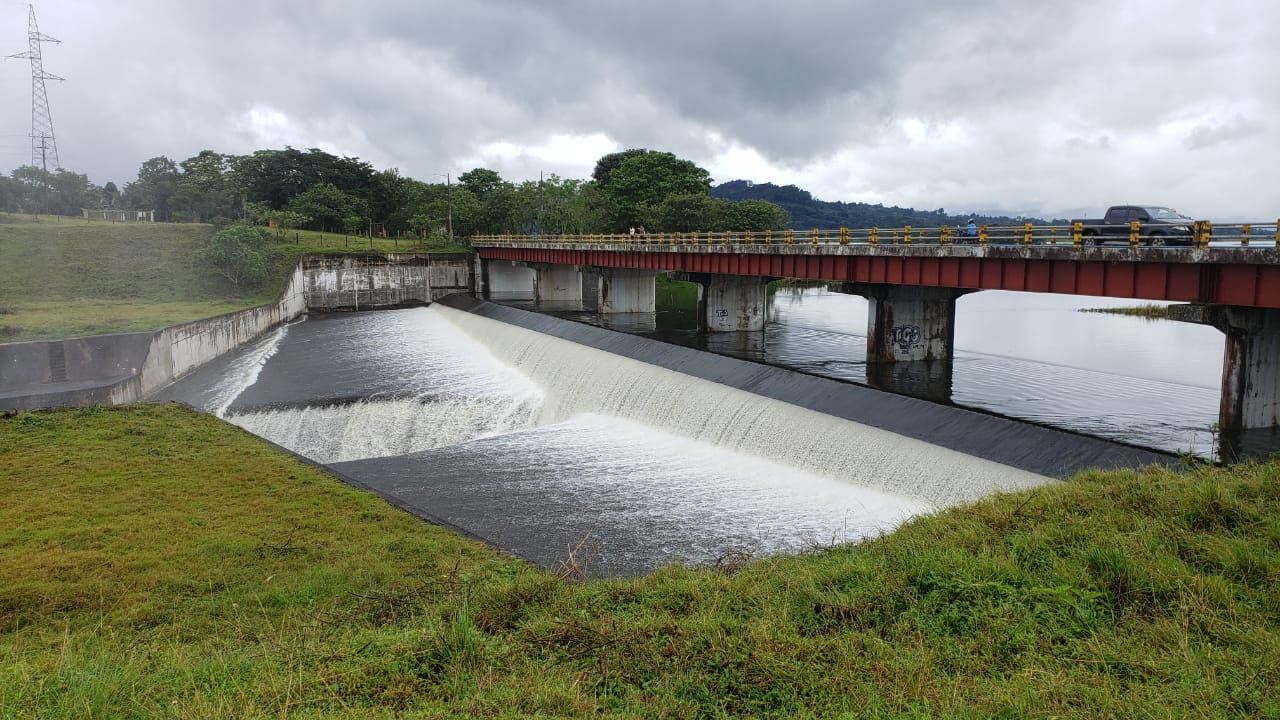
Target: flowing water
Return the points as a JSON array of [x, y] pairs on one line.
[[562, 452], [1031, 356]]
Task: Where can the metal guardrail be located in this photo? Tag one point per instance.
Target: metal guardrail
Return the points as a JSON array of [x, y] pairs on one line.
[[1199, 233]]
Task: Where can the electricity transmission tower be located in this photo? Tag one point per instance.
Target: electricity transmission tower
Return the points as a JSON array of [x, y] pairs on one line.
[[44, 147]]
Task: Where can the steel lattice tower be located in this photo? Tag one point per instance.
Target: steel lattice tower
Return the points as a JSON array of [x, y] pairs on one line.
[[44, 147]]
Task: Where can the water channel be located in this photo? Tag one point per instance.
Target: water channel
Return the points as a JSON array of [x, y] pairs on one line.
[[455, 420]]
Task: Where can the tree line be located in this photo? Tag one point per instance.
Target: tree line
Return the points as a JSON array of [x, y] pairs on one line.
[[313, 189]]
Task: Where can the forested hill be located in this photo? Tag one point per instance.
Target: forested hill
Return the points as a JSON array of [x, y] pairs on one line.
[[806, 212]]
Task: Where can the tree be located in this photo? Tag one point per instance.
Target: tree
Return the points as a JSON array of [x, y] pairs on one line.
[[688, 212], [155, 187], [639, 184], [276, 177], [327, 206], [481, 182], [754, 215], [605, 166], [238, 253], [110, 195], [203, 191]]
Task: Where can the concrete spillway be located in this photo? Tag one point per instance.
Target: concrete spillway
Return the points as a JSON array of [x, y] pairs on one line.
[[536, 434], [582, 379]]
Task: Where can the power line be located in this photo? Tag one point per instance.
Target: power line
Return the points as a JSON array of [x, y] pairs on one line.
[[44, 146]]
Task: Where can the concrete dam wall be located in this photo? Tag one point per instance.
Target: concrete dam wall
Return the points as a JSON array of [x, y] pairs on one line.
[[127, 367]]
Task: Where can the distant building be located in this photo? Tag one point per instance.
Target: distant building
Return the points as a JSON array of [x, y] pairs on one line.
[[116, 215]]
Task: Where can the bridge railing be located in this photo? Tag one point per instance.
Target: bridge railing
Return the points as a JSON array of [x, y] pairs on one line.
[[1200, 233]]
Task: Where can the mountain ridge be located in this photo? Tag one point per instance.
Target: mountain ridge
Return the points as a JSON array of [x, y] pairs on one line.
[[805, 212]]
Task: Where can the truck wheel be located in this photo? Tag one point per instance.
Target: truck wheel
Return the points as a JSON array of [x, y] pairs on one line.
[[1156, 239], [1091, 238]]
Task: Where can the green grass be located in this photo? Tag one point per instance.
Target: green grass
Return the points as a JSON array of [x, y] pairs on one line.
[[1149, 311], [155, 562], [675, 295], [63, 277]]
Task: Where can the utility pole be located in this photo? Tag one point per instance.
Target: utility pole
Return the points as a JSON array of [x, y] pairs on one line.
[[449, 193], [43, 143]]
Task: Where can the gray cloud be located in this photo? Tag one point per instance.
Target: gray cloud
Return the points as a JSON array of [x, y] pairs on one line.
[[991, 103]]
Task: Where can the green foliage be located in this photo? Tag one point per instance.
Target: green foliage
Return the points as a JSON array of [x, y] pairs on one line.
[[1150, 311], [155, 187], [1122, 594], [239, 253], [328, 207], [641, 182]]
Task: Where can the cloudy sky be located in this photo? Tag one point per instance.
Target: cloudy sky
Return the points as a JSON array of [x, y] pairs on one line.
[[1052, 109]]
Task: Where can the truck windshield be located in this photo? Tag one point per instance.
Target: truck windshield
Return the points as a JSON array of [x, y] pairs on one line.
[[1162, 213]]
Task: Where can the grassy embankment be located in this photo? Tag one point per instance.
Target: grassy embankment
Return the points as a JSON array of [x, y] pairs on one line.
[[1149, 311], [158, 563], [63, 277]]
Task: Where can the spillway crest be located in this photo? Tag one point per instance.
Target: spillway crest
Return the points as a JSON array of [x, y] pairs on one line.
[[577, 379]]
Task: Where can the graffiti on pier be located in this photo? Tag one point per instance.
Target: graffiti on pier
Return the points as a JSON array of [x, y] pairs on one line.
[[906, 337]]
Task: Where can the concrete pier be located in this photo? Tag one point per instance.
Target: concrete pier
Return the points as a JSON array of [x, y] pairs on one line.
[[731, 303], [626, 291], [1250, 366], [908, 323], [558, 285], [507, 280]]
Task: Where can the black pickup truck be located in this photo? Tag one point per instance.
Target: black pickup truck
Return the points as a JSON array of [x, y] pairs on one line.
[[1156, 226]]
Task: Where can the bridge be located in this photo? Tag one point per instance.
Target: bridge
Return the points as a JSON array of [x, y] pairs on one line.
[[1228, 276]]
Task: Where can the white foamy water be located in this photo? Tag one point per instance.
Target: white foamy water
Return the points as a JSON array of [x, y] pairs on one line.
[[448, 389], [377, 428], [642, 476], [243, 371], [579, 379]]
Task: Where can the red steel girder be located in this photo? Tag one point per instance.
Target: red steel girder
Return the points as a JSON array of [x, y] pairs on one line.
[[1245, 284]]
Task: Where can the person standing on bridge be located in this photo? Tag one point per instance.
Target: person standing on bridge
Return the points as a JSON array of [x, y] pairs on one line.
[[971, 229]]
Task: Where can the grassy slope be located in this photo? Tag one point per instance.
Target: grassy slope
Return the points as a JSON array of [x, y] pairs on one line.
[[62, 277], [66, 277], [155, 562]]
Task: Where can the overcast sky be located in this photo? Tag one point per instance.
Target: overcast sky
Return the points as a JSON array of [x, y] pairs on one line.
[[1052, 109]]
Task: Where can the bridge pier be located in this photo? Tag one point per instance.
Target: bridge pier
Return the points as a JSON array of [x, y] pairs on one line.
[[626, 291], [506, 280], [731, 303], [1251, 363], [908, 323], [557, 284]]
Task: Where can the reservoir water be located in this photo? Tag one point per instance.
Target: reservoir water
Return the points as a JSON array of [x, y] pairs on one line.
[[566, 455]]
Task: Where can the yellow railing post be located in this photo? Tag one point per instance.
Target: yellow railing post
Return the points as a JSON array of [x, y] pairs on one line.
[[844, 236], [1200, 233], [750, 237], [1134, 226], [1026, 234], [982, 235], [791, 237], [944, 235], [1053, 235], [873, 236], [815, 236], [906, 235], [1244, 234], [1278, 232]]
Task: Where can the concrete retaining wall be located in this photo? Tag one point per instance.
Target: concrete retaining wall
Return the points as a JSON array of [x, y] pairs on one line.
[[123, 368], [362, 282]]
